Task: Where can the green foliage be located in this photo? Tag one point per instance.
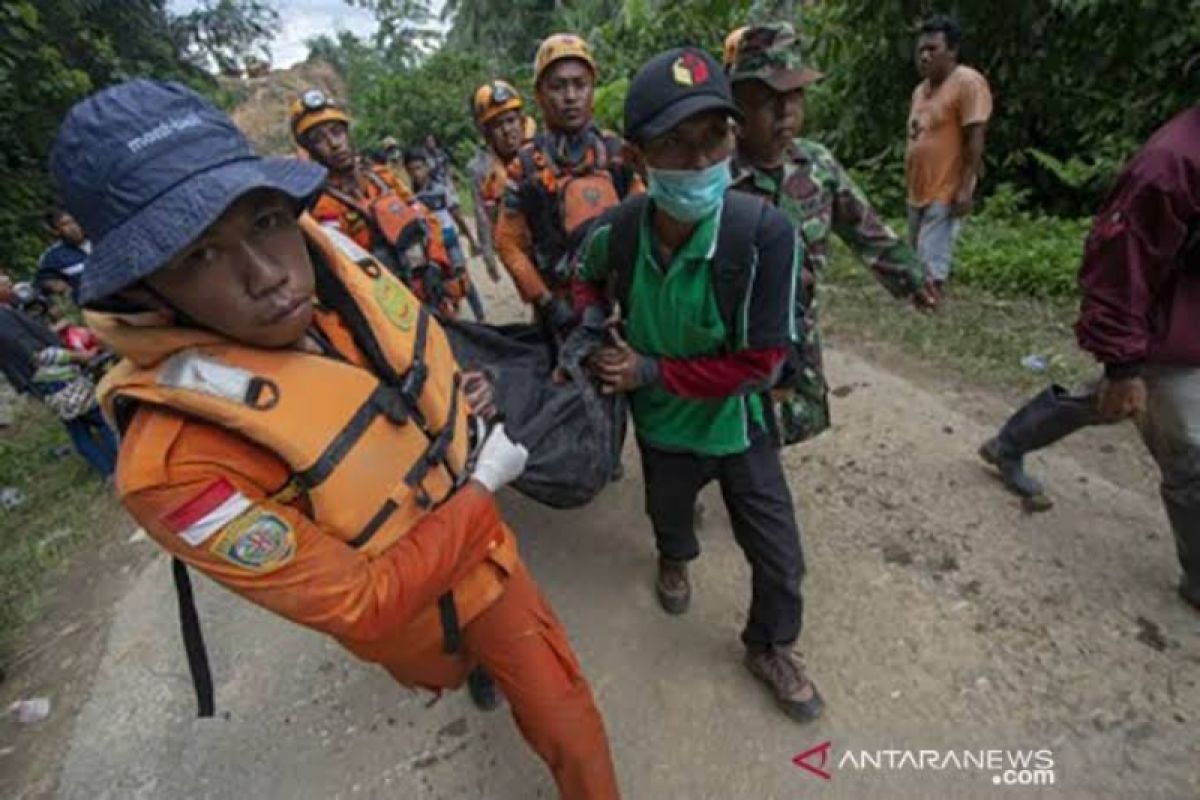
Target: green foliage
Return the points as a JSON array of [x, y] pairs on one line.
[[623, 43], [405, 30], [55, 52], [610, 103], [226, 32], [36, 85], [1073, 79], [505, 33], [65, 505], [433, 99], [1015, 253]]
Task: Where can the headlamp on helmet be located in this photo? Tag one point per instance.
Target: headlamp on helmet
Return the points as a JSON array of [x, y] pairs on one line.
[[493, 99], [313, 108]]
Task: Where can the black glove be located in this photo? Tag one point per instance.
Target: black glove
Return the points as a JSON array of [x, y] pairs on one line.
[[557, 314]]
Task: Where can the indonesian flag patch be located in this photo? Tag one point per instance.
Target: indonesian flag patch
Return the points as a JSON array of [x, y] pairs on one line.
[[217, 505]]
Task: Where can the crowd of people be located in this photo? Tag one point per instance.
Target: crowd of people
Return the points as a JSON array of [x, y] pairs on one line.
[[294, 423]]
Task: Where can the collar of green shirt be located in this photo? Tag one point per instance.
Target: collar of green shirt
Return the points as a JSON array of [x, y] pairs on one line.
[[700, 246]]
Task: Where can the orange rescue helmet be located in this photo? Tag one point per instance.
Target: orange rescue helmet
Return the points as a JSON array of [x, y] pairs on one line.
[[558, 46], [313, 108], [493, 99]]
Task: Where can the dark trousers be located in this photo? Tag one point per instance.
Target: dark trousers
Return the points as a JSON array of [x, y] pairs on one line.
[[476, 303], [764, 524], [94, 440]]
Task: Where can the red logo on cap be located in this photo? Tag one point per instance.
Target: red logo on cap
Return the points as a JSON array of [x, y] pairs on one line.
[[690, 70]]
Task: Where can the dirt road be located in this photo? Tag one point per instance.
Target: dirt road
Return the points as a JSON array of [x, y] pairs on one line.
[[939, 617]]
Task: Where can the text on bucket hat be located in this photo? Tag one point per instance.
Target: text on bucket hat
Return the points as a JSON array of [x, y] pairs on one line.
[[146, 167]]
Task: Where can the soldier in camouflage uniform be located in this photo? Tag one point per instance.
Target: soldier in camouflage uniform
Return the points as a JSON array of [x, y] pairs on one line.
[[804, 179]]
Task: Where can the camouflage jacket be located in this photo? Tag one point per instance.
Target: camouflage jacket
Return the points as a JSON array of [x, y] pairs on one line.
[[820, 198]]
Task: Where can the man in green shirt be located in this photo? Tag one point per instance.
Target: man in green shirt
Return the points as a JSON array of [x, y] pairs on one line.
[[803, 178], [706, 333]]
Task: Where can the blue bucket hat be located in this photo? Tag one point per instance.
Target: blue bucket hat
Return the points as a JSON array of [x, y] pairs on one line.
[[146, 167]]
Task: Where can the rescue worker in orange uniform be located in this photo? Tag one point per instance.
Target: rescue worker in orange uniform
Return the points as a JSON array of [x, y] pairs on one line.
[[559, 183], [294, 423], [369, 204], [497, 108]]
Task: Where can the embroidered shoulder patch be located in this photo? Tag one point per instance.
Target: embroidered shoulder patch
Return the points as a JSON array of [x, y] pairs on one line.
[[258, 542], [397, 303]]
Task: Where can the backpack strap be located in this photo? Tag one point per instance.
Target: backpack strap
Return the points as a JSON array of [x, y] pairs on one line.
[[379, 182], [346, 200], [626, 222], [736, 258], [531, 164], [622, 175]]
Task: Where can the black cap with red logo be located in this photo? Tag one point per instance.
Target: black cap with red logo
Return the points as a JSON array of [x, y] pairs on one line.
[[673, 86]]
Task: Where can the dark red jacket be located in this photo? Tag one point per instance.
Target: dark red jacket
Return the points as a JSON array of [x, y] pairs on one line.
[[1141, 265]]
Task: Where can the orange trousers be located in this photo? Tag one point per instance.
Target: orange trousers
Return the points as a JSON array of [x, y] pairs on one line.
[[524, 647]]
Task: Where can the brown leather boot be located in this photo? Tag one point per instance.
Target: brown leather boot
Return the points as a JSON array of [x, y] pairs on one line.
[[672, 586], [782, 670]]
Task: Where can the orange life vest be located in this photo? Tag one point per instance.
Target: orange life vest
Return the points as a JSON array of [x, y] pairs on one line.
[[566, 199], [388, 221], [366, 447]]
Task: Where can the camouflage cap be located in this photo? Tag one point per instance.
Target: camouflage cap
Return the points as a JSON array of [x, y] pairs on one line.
[[772, 54]]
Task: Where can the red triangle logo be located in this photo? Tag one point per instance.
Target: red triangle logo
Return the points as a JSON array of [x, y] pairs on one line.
[[814, 760]]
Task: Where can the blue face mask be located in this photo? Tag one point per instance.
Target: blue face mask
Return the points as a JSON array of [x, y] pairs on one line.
[[689, 195]]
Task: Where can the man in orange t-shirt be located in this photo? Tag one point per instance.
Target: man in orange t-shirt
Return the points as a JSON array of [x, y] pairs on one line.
[[947, 125]]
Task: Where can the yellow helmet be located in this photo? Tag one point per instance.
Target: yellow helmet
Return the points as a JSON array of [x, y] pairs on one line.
[[731, 46], [493, 99], [313, 108], [556, 48]]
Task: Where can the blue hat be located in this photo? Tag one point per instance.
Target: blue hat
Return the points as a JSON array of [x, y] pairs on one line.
[[146, 167]]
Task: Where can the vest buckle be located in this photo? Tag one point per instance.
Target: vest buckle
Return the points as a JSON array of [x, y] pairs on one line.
[[392, 404], [413, 383]]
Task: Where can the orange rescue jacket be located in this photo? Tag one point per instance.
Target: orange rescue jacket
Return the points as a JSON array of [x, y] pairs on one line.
[[383, 217], [548, 207], [324, 487]]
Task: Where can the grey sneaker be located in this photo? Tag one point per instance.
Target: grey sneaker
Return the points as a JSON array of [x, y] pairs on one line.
[[672, 586], [782, 670]]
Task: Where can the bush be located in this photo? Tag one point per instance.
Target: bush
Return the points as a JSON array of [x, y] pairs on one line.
[[1004, 248], [1039, 259], [1016, 253]]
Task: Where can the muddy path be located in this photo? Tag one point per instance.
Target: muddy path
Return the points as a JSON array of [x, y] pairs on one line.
[[939, 617]]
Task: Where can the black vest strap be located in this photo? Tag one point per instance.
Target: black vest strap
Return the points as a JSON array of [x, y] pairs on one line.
[[435, 453], [193, 640]]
